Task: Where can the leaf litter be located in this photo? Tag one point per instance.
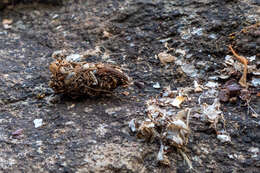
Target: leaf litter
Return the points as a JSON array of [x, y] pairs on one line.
[[170, 128], [164, 124], [167, 119]]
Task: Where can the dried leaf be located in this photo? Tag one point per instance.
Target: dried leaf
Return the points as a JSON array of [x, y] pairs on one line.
[[174, 137], [126, 93], [166, 58], [106, 34], [212, 112], [171, 128], [146, 131], [177, 101], [7, 21], [197, 87], [255, 115]]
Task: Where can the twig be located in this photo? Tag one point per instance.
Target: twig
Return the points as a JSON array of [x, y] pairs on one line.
[[245, 30], [188, 117], [250, 107], [244, 61], [185, 158]]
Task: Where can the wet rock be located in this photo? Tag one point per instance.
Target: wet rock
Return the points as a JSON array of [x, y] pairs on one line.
[[112, 157], [256, 2], [246, 41], [78, 140], [224, 95], [4, 3]]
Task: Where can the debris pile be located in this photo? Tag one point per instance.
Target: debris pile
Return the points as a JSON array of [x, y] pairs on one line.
[[164, 124], [81, 78]]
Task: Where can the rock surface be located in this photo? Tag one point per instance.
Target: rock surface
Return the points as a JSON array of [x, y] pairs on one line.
[[92, 135]]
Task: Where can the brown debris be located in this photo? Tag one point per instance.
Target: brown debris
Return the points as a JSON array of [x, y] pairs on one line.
[[126, 93], [82, 78], [164, 124], [166, 58]]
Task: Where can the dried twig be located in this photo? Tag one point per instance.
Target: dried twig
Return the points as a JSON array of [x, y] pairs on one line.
[[244, 30], [185, 157], [244, 61]]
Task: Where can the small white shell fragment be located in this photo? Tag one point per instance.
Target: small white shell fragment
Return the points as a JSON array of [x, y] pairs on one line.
[[213, 36], [74, 58], [189, 69], [224, 138], [254, 150], [86, 66], [197, 87], [180, 124], [229, 60], [55, 16], [37, 123], [160, 153], [211, 84], [256, 82], [251, 58], [212, 112], [156, 85], [197, 31], [181, 51], [132, 125], [58, 54]]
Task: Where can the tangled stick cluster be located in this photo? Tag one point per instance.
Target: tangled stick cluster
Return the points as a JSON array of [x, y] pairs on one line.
[[82, 78]]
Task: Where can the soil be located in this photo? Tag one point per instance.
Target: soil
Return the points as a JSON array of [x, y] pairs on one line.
[[92, 134]]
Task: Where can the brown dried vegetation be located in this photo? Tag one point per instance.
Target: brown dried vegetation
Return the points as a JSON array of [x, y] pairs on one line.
[[81, 78]]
